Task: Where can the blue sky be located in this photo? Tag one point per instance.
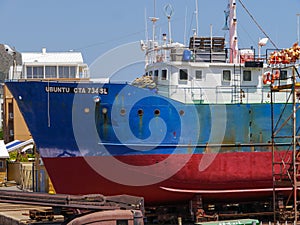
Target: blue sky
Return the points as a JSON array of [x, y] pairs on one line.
[[96, 26]]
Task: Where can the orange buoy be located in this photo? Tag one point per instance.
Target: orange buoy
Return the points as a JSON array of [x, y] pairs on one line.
[[267, 78]]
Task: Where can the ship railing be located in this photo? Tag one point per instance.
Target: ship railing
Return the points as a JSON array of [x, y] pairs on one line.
[[167, 53], [219, 94], [56, 80], [160, 53], [179, 53], [205, 53]]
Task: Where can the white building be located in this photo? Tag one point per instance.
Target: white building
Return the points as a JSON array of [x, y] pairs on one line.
[[38, 65], [50, 65]]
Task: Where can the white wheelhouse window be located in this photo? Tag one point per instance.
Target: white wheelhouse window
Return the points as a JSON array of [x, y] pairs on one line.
[[247, 75], [183, 74], [199, 75], [155, 75], [226, 75], [164, 74]]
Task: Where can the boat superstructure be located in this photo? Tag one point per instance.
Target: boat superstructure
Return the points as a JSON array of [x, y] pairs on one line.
[[209, 71]]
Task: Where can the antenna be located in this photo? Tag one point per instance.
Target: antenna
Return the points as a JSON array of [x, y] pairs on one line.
[[154, 8], [197, 20], [169, 12], [226, 12], [211, 38], [154, 20], [146, 26], [298, 33], [184, 36]]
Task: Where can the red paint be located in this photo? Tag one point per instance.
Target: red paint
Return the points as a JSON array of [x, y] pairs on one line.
[[228, 171]]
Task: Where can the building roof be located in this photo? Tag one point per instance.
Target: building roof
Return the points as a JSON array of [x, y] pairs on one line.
[[52, 57], [3, 150], [16, 144]]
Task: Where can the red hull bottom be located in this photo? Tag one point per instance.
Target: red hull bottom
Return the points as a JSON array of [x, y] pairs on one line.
[[222, 176]]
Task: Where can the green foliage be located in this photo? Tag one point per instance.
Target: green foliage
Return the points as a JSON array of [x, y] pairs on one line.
[[19, 157], [13, 156]]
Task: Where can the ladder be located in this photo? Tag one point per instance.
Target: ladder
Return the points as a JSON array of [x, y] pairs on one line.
[[236, 88]]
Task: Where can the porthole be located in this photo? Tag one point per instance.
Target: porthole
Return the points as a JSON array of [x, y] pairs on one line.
[[123, 111], [104, 110], [156, 112], [86, 110], [140, 112], [181, 112]]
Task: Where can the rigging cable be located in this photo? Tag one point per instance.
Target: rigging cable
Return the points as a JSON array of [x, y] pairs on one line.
[[240, 1]]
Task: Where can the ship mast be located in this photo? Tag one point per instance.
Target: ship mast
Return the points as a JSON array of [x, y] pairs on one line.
[[169, 12], [233, 32], [154, 20], [197, 19], [153, 44]]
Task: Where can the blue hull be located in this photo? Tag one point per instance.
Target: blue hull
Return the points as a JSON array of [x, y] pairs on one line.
[[161, 140], [130, 120]]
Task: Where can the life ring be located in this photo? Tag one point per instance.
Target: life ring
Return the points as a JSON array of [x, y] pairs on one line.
[[267, 78], [276, 75]]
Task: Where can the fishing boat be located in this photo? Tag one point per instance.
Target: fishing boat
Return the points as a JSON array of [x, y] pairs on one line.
[[198, 122]]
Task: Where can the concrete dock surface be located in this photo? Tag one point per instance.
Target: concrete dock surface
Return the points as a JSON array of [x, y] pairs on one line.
[[18, 214]]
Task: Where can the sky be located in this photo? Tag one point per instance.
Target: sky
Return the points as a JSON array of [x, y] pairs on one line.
[[95, 27]]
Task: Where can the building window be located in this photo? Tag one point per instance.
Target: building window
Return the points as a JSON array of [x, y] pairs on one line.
[[63, 71], [67, 71], [29, 71], [226, 75], [164, 74], [50, 72], [247, 75], [183, 74], [1, 164], [35, 71], [283, 75], [38, 72], [198, 75], [72, 71], [10, 108]]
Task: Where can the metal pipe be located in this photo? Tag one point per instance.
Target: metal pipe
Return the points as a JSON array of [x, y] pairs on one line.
[[273, 156], [294, 146]]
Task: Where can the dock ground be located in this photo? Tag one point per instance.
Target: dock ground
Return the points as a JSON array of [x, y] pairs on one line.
[[18, 214]]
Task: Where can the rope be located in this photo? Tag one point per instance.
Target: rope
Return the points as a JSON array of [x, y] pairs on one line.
[[261, 29]]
